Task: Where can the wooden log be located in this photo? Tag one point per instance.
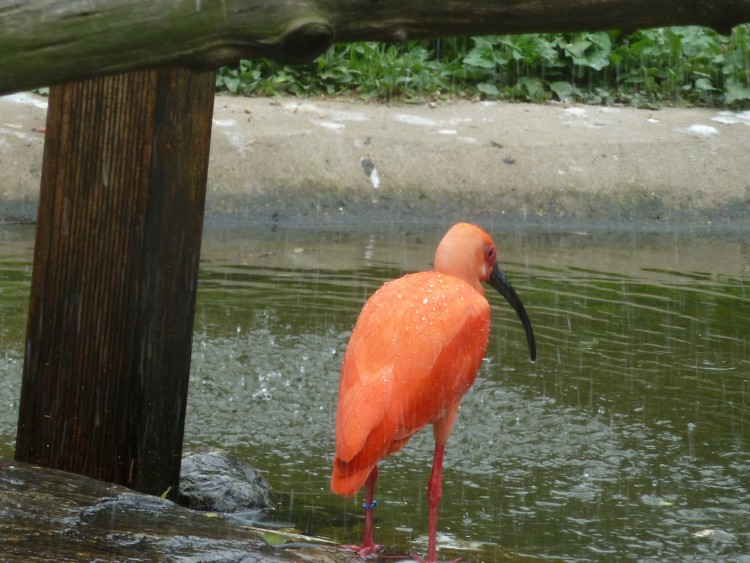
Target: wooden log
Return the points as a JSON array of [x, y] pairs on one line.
[[115, 269], [52, 41]]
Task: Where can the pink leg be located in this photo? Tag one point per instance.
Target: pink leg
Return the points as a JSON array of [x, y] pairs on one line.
[[367, 540], [368, 544], [434, 494]]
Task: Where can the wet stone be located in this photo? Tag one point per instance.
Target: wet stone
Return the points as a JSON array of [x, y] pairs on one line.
[[49, 515], [216, 480]]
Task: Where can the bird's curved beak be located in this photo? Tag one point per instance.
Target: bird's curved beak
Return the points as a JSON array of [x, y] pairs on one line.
[[498, 280]]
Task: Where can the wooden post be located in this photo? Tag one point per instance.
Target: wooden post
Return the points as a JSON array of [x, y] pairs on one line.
[[110, 323]]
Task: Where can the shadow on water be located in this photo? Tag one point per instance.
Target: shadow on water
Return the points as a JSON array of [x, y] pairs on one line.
[[627, 439]]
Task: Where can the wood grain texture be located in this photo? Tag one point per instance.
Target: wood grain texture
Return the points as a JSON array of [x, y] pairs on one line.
[[115, 268], [45, 42]]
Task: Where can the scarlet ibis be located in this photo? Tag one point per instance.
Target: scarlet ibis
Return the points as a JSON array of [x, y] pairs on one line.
[[415, 350]]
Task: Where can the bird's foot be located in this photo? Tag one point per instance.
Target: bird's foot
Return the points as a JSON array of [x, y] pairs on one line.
[[420, 559], [363, 550]]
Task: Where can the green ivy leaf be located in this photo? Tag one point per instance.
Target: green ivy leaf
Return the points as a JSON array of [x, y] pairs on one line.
[[489, 89], [736, 91], [563, 90]]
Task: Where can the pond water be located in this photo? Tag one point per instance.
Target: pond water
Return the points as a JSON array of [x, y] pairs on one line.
[[629, 438]]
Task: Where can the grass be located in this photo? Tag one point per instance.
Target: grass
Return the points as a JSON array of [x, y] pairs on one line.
[[652, 67]]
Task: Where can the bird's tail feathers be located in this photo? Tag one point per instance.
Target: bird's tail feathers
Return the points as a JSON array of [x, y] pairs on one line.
[[348, 478]]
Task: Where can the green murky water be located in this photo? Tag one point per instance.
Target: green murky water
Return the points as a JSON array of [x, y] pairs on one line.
[[628, 439]]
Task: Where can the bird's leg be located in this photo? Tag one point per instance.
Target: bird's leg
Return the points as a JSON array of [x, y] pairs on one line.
[[369, 506], [368, 544], [434, 494]]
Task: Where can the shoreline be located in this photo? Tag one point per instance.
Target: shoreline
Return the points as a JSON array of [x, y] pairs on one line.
[[341, 163]]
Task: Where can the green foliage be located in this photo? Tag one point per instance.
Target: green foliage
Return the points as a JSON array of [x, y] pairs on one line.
[[675, 65]]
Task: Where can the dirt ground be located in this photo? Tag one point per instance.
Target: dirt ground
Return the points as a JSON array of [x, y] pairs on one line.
[[304, 161]]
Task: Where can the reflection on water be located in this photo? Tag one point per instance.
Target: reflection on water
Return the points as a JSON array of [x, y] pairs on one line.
[[628, 437]]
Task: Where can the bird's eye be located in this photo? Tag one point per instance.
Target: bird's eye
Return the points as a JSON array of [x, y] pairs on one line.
[[491, 253]]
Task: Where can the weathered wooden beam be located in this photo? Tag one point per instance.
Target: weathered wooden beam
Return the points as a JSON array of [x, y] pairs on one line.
[[46, 42], [113, 291]]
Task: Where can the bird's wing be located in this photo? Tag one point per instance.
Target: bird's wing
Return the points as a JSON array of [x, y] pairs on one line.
[[414, 351], [363, 400]]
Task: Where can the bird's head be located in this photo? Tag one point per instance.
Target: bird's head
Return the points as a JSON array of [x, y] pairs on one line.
[[468, 253]]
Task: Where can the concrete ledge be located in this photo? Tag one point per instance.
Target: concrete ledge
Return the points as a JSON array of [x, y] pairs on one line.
[[292, 161]]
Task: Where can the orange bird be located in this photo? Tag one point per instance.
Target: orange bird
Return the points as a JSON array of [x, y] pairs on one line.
[[415, 350]]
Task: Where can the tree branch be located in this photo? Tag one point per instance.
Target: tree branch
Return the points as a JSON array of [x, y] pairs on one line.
[[45, 42]]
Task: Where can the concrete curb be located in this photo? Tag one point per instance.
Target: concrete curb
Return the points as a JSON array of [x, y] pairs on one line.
[[297, 161]]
